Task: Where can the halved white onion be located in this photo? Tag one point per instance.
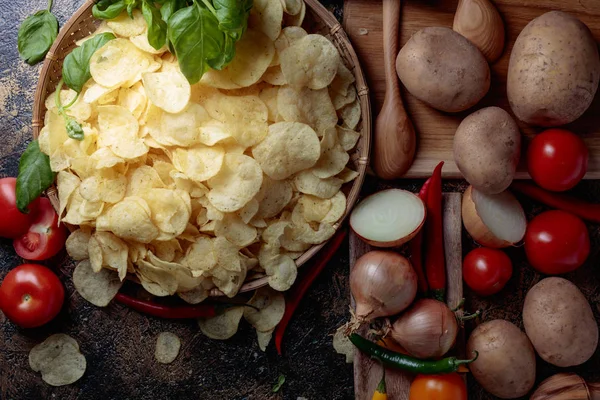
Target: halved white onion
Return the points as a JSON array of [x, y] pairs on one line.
[[388, 218]]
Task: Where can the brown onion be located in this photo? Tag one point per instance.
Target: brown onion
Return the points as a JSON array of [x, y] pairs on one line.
[[383, 283], [427, 330]]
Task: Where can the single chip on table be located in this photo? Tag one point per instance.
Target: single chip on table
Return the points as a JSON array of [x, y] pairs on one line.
[[270, 306], [311, 61], [99, 288], [312, 107], [167, 347], [58, 359], [168, 90], [288, 148], [266, 16], [333, 158], [126, 26], [343, 345], [224, 326], [263, 339], [308, 183], [77, 244], [236, 184]]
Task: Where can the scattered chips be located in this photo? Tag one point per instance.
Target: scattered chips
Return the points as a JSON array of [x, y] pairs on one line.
[[167, 347], [270, 306], [224, 326], [343, 345], [58, 359], [99, 288]]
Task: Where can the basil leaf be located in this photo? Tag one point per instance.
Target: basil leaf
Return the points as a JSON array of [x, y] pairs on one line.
[[35, 175], [108, 9], [131, 5], [74, 129], [76, 67], [36, 35], [169, 7], [226, 55], [157, 28], [194, 33], [233, 16]]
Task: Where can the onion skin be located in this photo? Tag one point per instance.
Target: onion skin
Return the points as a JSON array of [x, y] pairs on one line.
[[383, 283], [563, 386], [427, 330], [475, 226], [399, 241]]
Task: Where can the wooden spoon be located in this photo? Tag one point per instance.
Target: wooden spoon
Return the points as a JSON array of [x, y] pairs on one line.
[[395, 140], [481, 23], [566, 386]]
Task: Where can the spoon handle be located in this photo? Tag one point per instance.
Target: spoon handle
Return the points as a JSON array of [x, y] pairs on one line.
[[391, 25]]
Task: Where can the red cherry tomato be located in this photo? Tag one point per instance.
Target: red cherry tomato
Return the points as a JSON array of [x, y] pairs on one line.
[[438, 387], [486, 271], [557, 159], [13, 223], [556, 242], [31, 295], [45, 237]]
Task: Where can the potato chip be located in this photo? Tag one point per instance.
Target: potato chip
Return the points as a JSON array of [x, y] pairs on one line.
[[347, 175], [152, 287], [297, 19], [236, 184], [168, 90], [340, 100], [181, 129], [280, 268], [288, 36], [117, 62], [194, 296], [105, 158], [338, 207], [80, 110], [266, 16], [264, 338], [333, 157], [125, 26], [303, 232], [91, 209], [57, 133], [129, 219], [58, 359], [67, 183], [114, 252], [95, 92], [274, 232], [249, 210], [347, 137], [311, 61], [132, 100], [312, 107], [112, 188], [343, 80], [98, 288], [269, 97], [309, 183], [270, 305], [77, 244], [314, 209], [165, 280], [218, 79], [183, 182], [170, 210], [224, 326], [273, 197], [74, 216], [274, 76], [167, 347], [350, 114], [118, 130], [213, 132], [232, 228], [258, 222], [200, 162], [343, 345], [200, 256], [211, 212], [245, 117], [141, 42], [292, 7], [288, 148], [142, 179]]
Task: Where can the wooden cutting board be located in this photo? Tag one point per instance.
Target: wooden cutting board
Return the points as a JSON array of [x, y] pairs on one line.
[[367, 372], [363, 23]]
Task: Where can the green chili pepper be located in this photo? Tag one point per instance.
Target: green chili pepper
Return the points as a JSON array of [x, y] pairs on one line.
[[400, 361]]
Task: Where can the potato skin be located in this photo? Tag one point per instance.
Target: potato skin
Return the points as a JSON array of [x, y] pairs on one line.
[[487, 148], [560, 323], [506, 363], [553, 71], [443, 69]]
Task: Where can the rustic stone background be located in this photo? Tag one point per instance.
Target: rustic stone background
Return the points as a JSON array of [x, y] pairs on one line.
[[119, 343]]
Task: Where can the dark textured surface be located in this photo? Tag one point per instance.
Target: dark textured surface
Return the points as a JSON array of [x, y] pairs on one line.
[[119, 343]]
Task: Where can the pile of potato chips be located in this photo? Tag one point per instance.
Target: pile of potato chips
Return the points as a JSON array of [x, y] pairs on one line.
[[192, 187]]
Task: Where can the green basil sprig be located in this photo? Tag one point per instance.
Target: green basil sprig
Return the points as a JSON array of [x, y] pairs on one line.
[[233, 16], [169, 7], [36, 35], [157, 28], [76, 67], [108, 9], [35, 175]]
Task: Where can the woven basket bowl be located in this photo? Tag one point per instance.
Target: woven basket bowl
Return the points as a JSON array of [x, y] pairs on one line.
[[317, 20]]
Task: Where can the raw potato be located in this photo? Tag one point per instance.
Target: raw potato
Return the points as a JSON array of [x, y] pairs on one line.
[[506, 363], [553, 71], [487, 147], [559, 321], [443, 69]]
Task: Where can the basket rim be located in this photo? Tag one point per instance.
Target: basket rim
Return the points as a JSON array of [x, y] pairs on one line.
[[340, 40]]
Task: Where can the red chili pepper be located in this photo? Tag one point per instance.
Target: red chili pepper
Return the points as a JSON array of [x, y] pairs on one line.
[[435, 268], [416, 247], [172, 312], [297, 292], [583, 209]]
